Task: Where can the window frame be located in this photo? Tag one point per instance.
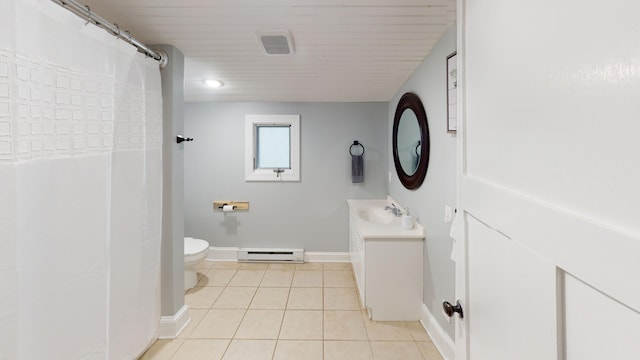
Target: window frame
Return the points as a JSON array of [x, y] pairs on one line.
[[251, 123]]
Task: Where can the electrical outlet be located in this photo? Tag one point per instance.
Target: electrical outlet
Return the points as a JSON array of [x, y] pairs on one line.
[[448, 213]]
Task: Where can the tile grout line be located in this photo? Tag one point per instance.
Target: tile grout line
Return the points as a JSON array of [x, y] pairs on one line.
[[214, 301], [413, 338], [284, 311], [243, 315], [184, 340], [323, 309]]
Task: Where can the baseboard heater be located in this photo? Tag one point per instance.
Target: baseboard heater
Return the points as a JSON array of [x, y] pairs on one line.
[[271, 255]]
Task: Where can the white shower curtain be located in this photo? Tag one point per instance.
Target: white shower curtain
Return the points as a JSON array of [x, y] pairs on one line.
[[80, 188]]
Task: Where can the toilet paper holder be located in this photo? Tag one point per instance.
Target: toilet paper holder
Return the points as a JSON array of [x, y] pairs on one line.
[[237, 205]]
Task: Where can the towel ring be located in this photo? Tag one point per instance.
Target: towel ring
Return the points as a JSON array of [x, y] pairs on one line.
[[417, 146], [355, 143]]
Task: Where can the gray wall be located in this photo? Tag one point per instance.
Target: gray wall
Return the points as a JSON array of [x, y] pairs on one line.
[[312, 213], [172, 253], [439, 187]]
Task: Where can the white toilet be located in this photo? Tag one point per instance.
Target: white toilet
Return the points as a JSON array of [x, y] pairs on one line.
[[195, 250]]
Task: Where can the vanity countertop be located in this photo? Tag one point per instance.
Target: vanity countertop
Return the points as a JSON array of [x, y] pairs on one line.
[[383, 225]]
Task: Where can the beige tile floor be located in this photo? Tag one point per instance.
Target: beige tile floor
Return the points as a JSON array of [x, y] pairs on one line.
[[286, 311]]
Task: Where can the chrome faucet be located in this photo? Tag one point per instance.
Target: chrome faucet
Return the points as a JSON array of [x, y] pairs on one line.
[[394, 210]]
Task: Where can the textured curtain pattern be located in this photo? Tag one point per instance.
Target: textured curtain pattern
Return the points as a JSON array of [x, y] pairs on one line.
[[80, 188]]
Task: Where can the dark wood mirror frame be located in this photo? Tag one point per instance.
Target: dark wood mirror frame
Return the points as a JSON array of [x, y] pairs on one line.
[[411, 101]]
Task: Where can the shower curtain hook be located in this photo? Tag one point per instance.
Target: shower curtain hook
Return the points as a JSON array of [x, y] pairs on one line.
[[117, 28], [88, 15]]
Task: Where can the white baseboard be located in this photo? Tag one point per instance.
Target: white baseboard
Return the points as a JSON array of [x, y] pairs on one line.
[[172, 326], [311, 256], [222, 253], [440, 338], [231, 254]]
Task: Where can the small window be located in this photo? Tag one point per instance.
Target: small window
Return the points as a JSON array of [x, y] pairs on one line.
[[272, 147]]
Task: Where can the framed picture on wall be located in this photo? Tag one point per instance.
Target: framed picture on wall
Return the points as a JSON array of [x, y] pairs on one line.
[[452, 92]]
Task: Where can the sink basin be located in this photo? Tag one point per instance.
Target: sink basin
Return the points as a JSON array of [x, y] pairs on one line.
[[371, 221], [375, 215]]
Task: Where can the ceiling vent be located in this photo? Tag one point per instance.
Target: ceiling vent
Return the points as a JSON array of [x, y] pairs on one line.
[[276, 42]]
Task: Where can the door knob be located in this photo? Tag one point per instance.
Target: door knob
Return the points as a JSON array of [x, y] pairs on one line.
[[450, 309]]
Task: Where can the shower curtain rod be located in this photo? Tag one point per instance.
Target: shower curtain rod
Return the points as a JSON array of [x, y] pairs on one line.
[[85, 12]]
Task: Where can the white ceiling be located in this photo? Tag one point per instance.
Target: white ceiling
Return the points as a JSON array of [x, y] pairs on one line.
[[345, 50]]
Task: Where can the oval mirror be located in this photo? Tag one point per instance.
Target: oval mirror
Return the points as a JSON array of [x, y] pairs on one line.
[[410, 141]]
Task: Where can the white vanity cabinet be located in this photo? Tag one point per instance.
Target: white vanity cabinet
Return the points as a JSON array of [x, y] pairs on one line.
[[388, 265], [356, 251]]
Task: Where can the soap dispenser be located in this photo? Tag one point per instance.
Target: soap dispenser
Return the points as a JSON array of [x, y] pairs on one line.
[[407, 220]]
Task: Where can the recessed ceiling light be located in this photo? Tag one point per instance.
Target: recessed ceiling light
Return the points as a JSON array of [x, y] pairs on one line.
[[214, 83]]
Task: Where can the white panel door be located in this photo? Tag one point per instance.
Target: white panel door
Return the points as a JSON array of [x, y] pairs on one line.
[[597, 326], [538, 283], [511, 295], [547, 243]]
